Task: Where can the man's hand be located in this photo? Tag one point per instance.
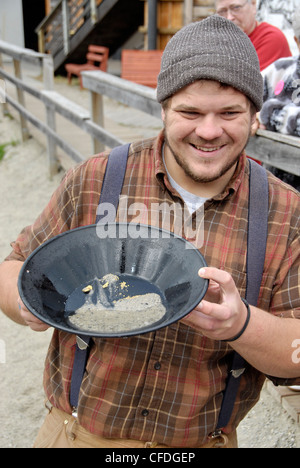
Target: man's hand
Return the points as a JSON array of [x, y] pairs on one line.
[[10, 302], [222, 314], [30, 320]]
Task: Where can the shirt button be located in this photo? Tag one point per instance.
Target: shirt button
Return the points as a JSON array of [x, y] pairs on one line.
[[157, 366], [145, 412]]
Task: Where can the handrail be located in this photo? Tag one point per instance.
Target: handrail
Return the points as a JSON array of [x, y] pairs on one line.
[[276, 150], [19, 53], [48, 19], [128, 93]]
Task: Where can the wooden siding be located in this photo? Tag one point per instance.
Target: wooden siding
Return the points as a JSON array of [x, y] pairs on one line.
[[172, 15]]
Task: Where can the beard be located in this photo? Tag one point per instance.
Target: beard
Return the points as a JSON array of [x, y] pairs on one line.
[[204, 179]]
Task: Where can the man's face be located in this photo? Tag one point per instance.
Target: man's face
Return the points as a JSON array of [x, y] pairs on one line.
[[207, 127], [240, 12]]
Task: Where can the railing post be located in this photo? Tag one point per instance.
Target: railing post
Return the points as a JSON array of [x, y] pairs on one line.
[[21, 100], [41, 41], [66, 25], [97, 114], [3, 98], [48, 73]]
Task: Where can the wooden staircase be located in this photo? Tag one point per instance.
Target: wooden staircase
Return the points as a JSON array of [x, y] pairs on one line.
[[73, 25]]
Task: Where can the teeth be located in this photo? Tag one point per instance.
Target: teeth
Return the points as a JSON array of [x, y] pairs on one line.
[[207, 150]]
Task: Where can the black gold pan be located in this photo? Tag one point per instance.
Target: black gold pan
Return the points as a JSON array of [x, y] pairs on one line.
[[66, 272]]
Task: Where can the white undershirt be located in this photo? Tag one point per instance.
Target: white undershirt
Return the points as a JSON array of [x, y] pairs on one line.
[[193, 202]]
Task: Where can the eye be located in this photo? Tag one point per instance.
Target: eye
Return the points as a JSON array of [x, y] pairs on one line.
[[230, 114], [189, 114]]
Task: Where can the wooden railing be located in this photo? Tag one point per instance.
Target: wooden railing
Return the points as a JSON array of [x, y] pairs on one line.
[[45, 63], [100, 83], [277, 150], [271, 148]]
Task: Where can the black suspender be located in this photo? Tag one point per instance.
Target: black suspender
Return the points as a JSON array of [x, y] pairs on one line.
[[256, 248], [114, 178], [257, 238], [110, 193]]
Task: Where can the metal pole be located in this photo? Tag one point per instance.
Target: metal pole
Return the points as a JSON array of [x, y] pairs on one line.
[[152, 24]]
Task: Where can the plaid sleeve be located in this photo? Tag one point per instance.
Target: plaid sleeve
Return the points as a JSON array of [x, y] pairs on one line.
[[72, 205], [55, 219]]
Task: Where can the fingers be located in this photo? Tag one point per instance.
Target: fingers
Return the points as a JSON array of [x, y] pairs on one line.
[[215, 311], [30, 320], [222, 313], [221, 277]]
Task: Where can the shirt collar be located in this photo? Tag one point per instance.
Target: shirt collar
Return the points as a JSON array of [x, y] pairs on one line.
[[162, 177]]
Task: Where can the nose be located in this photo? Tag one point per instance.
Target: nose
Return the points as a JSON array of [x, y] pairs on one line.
[[230, 16], [209, 129]]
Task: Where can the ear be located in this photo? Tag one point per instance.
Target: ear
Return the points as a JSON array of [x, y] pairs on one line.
[[163, 114], [254, 118]]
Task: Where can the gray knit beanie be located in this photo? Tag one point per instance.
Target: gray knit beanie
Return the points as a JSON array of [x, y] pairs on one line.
[[211, 49]]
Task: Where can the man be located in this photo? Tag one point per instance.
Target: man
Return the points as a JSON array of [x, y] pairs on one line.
[[165, 388], [270, 43]]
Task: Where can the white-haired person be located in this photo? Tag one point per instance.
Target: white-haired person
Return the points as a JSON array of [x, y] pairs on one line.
[[270, 43]]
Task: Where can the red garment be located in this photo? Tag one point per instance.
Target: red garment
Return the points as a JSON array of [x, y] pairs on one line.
[[270, 44]]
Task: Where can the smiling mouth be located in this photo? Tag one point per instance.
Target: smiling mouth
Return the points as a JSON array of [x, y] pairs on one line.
[[206, 149]]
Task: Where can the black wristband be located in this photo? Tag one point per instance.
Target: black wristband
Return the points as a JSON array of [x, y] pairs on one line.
[[245, 326]]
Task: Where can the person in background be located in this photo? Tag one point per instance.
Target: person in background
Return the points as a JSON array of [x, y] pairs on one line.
[[270, 43], [281, 110]]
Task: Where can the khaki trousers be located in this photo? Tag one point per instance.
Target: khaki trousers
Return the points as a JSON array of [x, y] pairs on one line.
[[61, 430]]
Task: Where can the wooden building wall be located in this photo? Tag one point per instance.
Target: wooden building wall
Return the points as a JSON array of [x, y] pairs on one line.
[[173, 14]]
